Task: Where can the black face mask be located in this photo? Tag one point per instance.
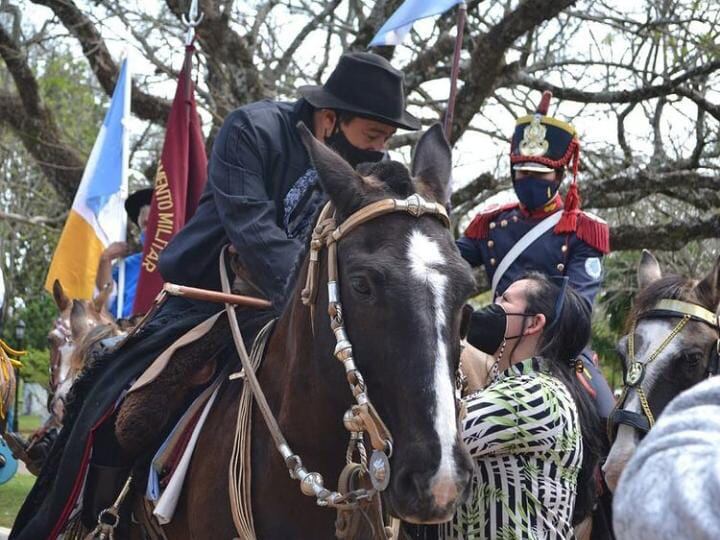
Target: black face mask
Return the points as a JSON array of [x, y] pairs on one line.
[[351, 153], [487, 328]]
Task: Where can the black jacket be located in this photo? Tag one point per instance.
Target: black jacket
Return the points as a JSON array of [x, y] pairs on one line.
[[256, 159]]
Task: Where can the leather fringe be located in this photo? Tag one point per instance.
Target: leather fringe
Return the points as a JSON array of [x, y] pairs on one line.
[[593, 232]]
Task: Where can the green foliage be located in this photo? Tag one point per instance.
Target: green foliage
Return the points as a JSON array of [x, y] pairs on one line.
[[38, 315], [36, 365], [68, 86]]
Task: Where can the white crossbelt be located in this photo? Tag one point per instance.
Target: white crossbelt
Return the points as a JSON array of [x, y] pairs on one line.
[[528, 238]]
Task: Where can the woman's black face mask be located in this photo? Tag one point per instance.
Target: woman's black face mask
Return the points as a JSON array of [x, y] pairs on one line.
[[488, 326], [351, 153]]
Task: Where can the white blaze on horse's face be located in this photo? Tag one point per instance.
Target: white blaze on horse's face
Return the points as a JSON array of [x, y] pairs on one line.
[[649, 334], [426, 259]]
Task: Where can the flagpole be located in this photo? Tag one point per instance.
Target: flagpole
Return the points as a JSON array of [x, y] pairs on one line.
[[124, 185], [121, 289], [462, 11]]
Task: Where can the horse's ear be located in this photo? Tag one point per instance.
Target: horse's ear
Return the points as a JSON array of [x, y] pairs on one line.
[[339, 180], [61, 299], [100, 302], [648, 269], [432, 165], [78, 320], [708, 290]]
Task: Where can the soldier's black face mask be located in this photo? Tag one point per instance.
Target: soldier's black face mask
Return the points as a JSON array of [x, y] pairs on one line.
[[488, 326], [351, 153]]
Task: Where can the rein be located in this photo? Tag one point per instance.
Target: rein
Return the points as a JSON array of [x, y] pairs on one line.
[[636, 371], [362, 417]]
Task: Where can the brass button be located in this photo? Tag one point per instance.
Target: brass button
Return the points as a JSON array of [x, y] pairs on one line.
[[515, 219], [563, 248], [492, 224], [503, 223], [560, 267], [492, 262], [490, 243]]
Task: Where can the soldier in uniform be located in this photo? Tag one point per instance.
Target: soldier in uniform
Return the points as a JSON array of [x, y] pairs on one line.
[[542, 232]]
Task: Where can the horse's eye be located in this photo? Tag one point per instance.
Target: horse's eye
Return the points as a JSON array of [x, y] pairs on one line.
[[360, 285], [691, 359]]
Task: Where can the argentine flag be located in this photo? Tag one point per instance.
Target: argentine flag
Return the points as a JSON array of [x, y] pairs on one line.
[[97, 217], [400, 23]]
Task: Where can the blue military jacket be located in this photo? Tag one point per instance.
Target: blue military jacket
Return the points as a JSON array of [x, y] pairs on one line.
[[552, 254], [260, 196]]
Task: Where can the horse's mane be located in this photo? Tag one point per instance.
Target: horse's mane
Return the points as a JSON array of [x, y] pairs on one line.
[[671, 287], [89, 340], [394, 181]]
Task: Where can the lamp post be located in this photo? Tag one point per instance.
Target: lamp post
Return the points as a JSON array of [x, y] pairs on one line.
[[20, 336]]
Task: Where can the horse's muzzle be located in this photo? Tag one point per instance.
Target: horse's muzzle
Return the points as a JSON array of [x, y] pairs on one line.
[[419, 496]]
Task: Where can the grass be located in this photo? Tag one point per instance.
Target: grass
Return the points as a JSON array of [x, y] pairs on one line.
[[28, 424], [12, 496], [13, 493]]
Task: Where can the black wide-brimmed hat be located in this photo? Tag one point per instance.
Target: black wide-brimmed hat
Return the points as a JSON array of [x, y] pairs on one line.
[[365, 84], [133, 204]]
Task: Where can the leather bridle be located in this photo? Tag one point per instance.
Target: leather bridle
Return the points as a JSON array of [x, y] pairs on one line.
[[636, 370], [362, 418]]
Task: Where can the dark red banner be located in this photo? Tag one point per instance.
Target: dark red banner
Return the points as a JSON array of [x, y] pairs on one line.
[[179, 182]]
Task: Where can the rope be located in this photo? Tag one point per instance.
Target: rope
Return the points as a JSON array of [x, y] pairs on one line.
[[240, 471]]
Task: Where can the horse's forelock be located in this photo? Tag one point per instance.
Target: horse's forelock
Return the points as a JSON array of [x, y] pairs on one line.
[[386, 179], [671, 287], [392, 175]]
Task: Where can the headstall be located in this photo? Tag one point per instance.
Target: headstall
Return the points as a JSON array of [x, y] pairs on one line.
[[362, 417], [637, 369]]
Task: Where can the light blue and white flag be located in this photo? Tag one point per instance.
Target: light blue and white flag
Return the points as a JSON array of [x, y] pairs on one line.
[[97, 217], [400, 23]]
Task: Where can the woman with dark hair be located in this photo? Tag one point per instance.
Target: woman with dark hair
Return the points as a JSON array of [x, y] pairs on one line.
[[530, 429]]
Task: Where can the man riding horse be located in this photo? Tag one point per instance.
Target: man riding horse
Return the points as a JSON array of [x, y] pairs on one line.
[[261, 196]]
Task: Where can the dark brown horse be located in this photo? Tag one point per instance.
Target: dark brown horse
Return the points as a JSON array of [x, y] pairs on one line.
[[655, 373], [403, 285]]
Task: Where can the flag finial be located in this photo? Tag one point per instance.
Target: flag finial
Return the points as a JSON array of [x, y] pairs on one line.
[[191, 21], [544, 105]]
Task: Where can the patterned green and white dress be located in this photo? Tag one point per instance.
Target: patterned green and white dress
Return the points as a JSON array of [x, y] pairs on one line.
[[523, 434]]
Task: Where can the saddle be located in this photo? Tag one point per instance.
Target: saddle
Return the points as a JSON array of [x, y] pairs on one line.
[[187, 364], [157, 399]]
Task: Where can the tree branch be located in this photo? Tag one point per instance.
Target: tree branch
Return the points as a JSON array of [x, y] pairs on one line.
[[300, 38], [233, 77], [488, 56], [668, 236], [614, 191], [42, 221], [144, 105], [674, 86], [35, 125]]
